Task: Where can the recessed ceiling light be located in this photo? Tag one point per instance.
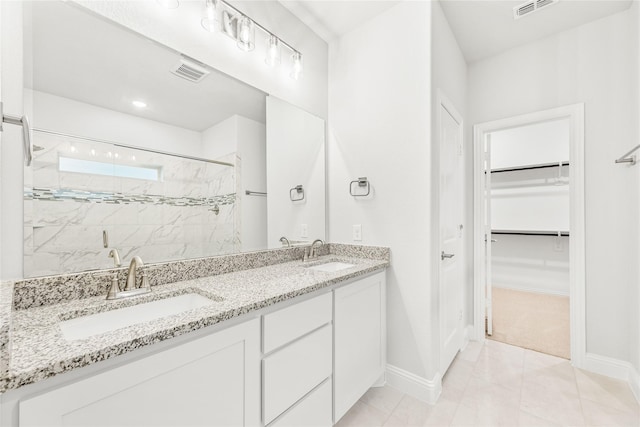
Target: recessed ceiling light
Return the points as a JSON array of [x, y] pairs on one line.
[[139, 104]]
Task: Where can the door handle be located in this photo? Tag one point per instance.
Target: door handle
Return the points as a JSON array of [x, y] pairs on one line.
[[443, 255]]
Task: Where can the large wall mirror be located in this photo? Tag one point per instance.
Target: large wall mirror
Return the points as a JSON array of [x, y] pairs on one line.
[[141, 149]]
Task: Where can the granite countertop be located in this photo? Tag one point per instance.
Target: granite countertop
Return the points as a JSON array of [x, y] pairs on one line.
[[35, 349]]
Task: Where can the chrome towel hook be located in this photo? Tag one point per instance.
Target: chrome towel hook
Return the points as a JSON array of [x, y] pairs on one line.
[[26, 132]]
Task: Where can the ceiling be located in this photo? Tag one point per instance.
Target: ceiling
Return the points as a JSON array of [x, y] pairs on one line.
[[483, 28], [330, 19], [486, 28], [73, 54]]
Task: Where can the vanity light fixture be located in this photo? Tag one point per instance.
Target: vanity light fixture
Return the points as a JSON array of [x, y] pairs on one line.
[[273, 51], [296, 65], [220, 15], [246, 34], [209, 16]]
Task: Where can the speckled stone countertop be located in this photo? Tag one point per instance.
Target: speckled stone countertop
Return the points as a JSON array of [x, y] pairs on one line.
[[33, 348]]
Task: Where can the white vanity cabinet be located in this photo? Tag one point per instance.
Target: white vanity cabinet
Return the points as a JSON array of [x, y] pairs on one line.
[[213, 381], [359, 340], [298, 363], [304, 362]]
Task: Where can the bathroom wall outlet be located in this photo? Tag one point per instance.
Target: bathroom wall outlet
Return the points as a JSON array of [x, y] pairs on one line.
[[304, 231], [357, 232]]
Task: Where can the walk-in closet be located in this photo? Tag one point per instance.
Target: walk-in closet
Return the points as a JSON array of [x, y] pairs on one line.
[[528, 296]]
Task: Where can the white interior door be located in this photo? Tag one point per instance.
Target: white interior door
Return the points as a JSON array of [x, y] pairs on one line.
[[451, 227], [487, 235]]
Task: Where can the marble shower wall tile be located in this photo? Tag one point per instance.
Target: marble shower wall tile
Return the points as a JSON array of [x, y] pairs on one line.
[[66, 212]]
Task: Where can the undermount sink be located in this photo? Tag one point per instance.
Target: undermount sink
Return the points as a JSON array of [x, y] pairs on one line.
[[94, 324], [331, 266]]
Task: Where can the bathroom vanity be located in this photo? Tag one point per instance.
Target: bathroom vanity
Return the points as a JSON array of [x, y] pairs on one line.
[[288, 344]]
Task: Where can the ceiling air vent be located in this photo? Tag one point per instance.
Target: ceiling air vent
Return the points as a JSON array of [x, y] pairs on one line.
[[530, 7], [190, 69]]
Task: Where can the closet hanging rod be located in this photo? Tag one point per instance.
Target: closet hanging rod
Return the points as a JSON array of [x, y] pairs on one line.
[[523, 168], [531, 233], [627, 158], [255, 193]]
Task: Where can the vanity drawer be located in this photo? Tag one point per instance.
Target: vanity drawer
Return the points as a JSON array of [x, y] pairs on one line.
[[285, 325], [314, 410], [295, 370]]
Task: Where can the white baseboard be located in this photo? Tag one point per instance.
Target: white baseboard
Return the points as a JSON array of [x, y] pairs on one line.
[[614, 368], [414, 385]]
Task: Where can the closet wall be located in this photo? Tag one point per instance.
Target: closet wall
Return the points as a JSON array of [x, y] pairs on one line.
[[530, 194]]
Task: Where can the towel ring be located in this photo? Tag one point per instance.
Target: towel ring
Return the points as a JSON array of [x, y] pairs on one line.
[[297, 190], [362, 182]]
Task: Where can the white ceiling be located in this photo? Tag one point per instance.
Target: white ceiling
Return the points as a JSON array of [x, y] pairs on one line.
[[483, 28], [333, 18], [486, 28], [73, 54]]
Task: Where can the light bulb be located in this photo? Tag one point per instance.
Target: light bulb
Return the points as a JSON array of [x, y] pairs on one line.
[[246, 34], [209, 16], [273, 51], [296, 65]]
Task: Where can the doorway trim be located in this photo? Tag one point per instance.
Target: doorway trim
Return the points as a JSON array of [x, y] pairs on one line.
[[577, 263]]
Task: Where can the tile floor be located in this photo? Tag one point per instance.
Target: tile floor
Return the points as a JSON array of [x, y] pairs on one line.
[[496, 384]]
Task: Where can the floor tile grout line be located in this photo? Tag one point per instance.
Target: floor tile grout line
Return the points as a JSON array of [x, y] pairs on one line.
[[394, 408]]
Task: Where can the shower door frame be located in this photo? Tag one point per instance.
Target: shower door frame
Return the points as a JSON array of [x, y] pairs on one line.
[[577, 263]]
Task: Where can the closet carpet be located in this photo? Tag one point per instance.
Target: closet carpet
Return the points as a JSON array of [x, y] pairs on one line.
[[530, 320]]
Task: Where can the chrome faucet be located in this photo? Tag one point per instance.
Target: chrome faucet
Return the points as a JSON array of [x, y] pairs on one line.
[[130, 288], [312, 250], [284, 240]]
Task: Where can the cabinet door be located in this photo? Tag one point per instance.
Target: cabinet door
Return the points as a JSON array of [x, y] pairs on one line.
[[289, 374], [212, 381], [359, 340], [312, 411]]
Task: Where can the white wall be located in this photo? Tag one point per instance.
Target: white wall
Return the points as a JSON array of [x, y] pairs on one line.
[[546, 142], [634, 300], [379, 127], [55, 113], [596, 64], [296, 156], [531, 263], [221, 139], [246, 140]]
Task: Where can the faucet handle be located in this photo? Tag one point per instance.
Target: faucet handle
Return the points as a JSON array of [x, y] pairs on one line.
[[114, 287], [145, 281]]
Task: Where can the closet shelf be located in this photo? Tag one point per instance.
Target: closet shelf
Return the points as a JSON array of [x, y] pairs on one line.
[[531, 232], [530, 167]]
